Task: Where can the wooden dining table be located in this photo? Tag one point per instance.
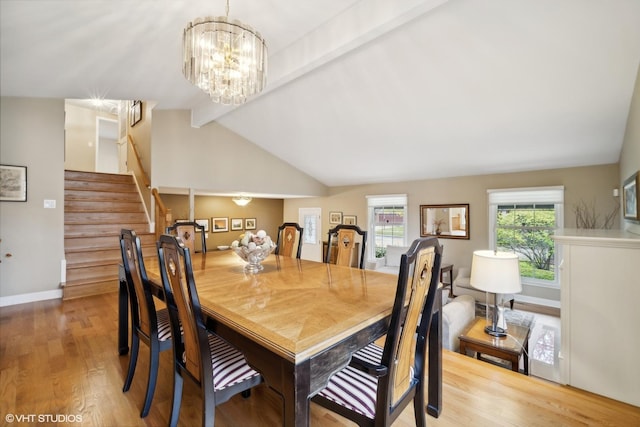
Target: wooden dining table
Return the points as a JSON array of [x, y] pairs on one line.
[[297, 321]]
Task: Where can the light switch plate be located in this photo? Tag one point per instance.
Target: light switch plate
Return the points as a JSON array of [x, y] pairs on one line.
[[49, 204]]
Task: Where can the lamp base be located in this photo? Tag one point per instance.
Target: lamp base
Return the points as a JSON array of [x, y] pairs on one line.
[[495, 331]]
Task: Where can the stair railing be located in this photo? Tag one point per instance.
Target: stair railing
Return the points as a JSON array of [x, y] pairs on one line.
[[163, 217], [145, 177]]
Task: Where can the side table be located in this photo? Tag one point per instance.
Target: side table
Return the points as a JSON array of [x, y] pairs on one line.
[[509, 348]]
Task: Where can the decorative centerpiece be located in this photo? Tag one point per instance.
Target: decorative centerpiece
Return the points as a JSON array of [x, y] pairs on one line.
[[253, 248]]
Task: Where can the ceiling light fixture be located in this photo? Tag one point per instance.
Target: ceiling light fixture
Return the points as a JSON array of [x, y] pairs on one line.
[[226, 59], [241, 200]]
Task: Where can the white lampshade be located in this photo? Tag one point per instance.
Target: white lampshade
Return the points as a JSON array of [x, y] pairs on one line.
[[496, 272]]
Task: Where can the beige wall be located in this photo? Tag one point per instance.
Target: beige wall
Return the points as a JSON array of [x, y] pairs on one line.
[[80, 137], [592, 184], [630, 155], [34, 236], [267, 212], [214, 159]]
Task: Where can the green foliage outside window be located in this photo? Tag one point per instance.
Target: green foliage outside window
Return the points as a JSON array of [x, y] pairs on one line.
[[527, 230]]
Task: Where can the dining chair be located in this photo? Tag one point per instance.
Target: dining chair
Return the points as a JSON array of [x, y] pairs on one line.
[[380, 382], [289, 237], [148, 325], [347, 241], [187, 230], [216, 367]]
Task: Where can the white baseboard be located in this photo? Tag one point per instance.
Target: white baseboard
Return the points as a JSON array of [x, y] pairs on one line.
[[32, 297]]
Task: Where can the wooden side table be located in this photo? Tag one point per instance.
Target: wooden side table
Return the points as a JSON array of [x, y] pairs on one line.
[[509, 348]]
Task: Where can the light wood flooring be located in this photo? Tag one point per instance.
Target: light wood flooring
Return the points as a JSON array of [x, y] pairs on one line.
[[60, 359]]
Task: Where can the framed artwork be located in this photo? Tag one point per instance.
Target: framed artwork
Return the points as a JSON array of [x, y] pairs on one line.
[[249, 223], [13, 183], [236, 223], [135, 113], [630, 197], [349, 220], [204, 223], [219, 225], [335, 217]]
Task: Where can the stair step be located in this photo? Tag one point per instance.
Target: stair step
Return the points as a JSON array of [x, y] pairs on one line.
[[101, 195], [86, 230], [105, 218], [101, 242], [93, 272], [86, 288], [98, 187], [102, 206], [70, 175]]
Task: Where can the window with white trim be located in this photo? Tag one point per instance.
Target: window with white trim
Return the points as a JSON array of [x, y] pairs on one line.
[[387, 223], [522, 220]]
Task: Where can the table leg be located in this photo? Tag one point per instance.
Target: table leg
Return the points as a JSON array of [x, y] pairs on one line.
[[434, 399], [123, 313]]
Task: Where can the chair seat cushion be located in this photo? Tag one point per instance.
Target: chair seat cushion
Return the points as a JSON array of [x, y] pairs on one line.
[[354, 390], [164, 326], [229, 365]]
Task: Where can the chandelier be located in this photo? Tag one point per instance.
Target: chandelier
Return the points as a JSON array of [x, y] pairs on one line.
[[226, 59]]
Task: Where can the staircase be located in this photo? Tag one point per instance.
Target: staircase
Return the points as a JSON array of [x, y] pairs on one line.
[[96, 207]]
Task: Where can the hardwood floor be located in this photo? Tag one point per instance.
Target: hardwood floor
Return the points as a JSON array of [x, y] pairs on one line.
[[59, 363]]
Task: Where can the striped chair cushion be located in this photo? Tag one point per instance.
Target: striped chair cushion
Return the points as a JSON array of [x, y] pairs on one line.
[[164, 327], [229, 365], [372, 353], [353, 389]]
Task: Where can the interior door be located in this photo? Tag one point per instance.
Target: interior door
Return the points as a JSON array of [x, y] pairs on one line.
[[310, 220]]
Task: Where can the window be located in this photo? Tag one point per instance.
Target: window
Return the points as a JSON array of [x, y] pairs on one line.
[[387, 223], [522, 221]]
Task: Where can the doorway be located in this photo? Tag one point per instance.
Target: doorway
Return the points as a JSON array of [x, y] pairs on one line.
[[311, 220], [107, 147]]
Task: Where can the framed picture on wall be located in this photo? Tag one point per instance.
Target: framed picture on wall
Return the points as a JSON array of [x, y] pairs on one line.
[[13, 183], [249, 223], [630, 197], [236, 223], [204, 223], [349, 219], [335, 217], [219, 225], [135, 114]]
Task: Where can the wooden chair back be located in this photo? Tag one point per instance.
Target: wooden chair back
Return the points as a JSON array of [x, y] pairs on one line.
[[289, 240], [344, 240], [187, 231], [404, 351], [184, 307], [143, 310]]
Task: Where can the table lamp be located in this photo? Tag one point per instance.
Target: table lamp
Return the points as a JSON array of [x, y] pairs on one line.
[[498, 273]]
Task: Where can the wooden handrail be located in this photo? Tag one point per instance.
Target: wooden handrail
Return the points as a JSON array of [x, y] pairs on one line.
[[163, 215], [145, 178]]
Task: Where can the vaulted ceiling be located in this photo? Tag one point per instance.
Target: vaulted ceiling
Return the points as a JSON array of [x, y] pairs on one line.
[[362, 91]]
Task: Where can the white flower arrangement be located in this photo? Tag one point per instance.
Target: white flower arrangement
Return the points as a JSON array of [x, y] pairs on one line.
[[254, 241], [253, 248]]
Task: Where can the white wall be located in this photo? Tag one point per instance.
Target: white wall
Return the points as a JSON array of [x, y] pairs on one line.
[[32, 135]]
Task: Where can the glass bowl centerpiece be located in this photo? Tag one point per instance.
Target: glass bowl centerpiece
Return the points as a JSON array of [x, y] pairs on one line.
[[253, 248]]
